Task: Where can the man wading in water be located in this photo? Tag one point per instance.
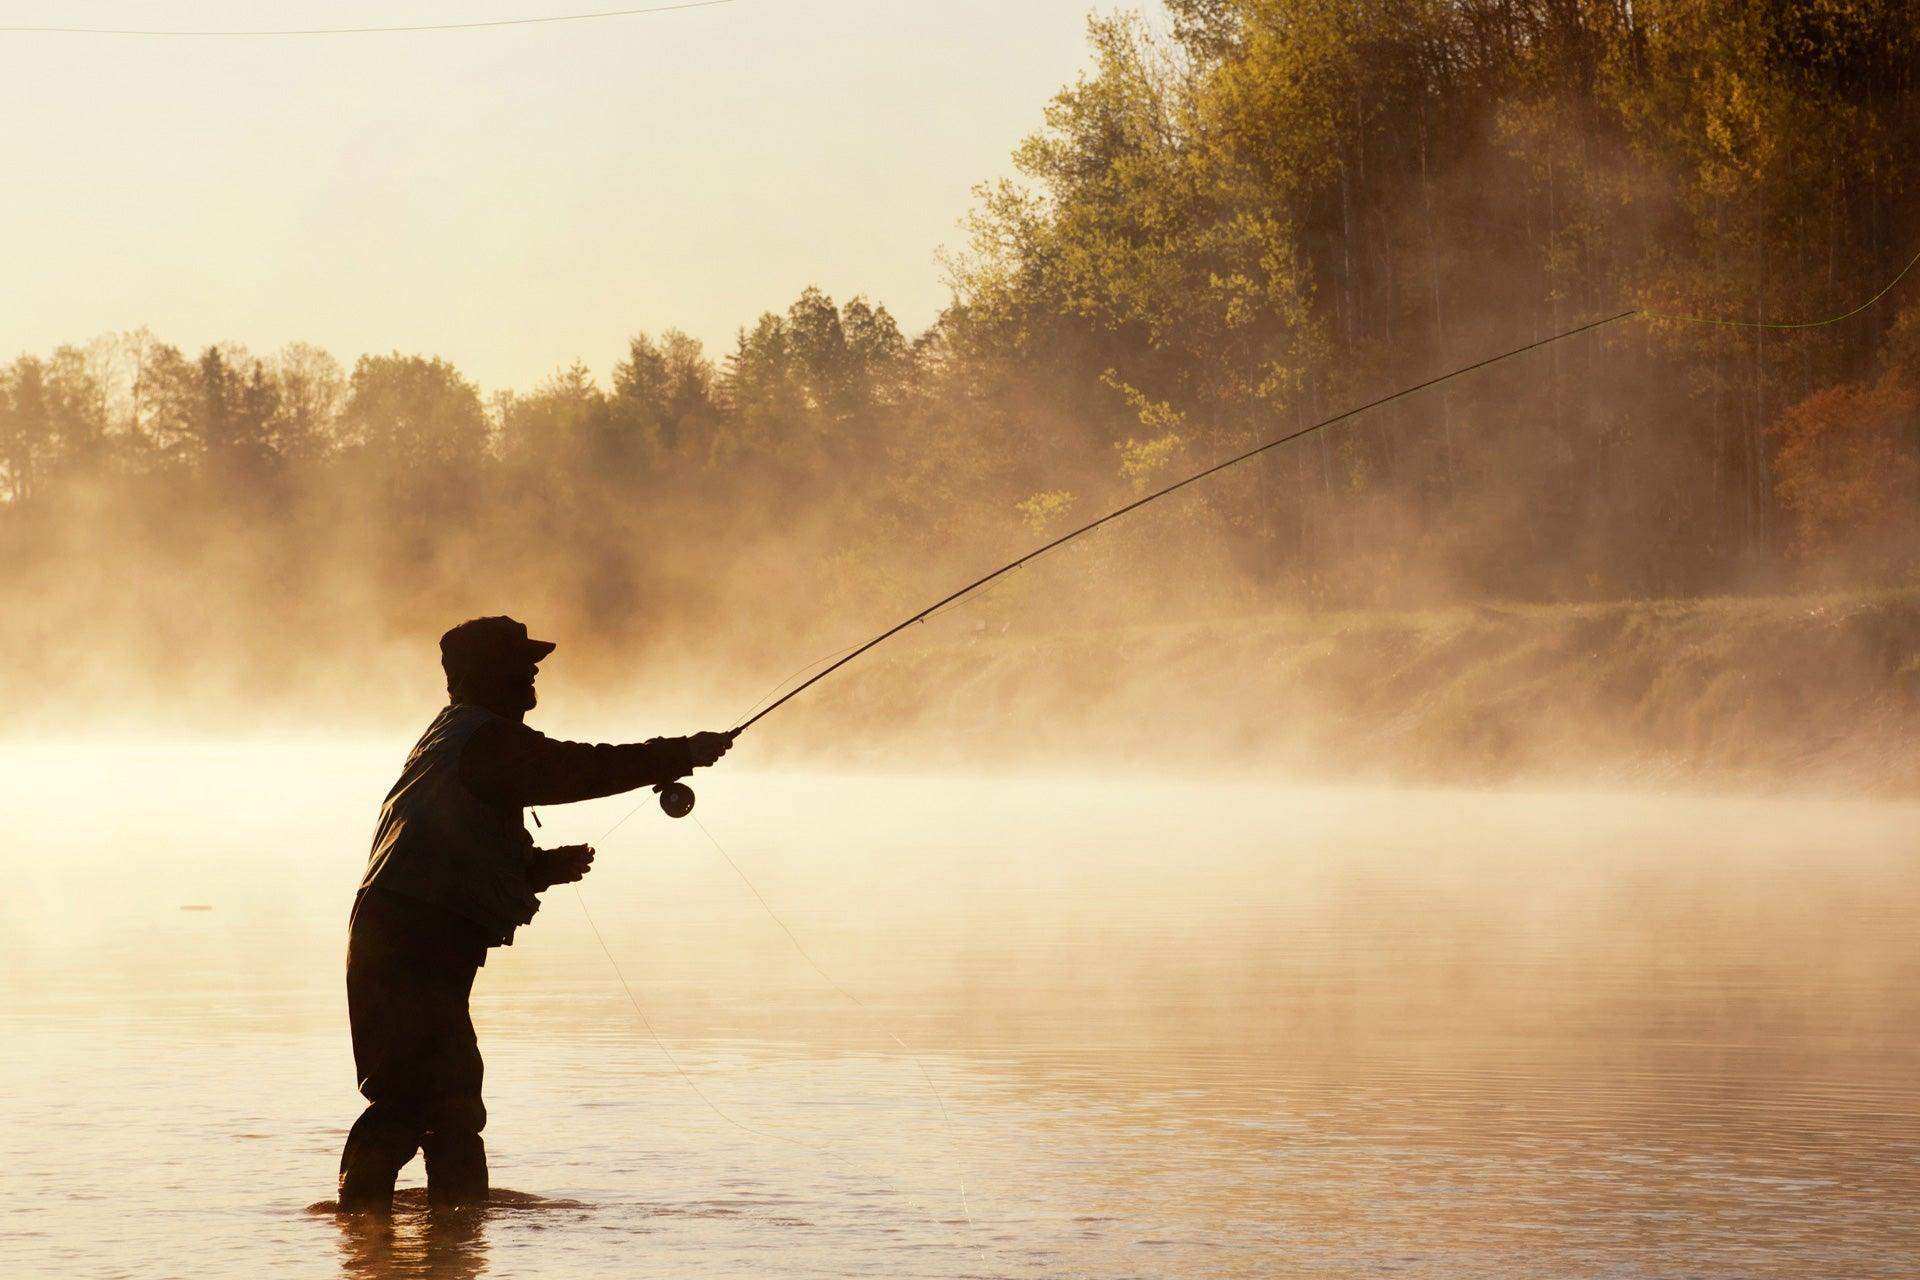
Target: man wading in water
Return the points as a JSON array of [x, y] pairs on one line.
[[454, 872]]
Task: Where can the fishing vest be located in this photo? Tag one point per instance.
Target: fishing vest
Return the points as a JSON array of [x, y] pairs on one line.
[[438, 843]]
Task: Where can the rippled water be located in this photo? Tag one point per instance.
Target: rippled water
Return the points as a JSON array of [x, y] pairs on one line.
[[1175, 1030]]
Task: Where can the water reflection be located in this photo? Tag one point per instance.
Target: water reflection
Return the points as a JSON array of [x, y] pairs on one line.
[[416, 1243]]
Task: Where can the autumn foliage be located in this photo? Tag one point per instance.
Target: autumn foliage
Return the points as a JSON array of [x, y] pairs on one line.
[[1847, 460]]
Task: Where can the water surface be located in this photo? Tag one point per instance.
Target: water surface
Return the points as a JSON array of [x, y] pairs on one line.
[[1082, 1027]]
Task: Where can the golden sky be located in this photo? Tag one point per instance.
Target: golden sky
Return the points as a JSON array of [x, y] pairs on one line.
[[509, 198]]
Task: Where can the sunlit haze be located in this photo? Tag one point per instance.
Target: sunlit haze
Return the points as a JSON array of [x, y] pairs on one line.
[[511, 199], [1208, 639]]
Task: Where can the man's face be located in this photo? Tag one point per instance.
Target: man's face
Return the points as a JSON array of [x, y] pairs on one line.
[[520, 684]]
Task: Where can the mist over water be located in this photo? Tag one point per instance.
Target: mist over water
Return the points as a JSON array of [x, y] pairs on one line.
[[1180, 1028]]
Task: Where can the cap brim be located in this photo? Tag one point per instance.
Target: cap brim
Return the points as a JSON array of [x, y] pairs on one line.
[[538, 649]]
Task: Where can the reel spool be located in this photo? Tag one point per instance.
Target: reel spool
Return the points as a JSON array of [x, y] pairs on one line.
[[676, 799]]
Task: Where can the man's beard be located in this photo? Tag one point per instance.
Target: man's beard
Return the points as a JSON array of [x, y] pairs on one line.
[[508, 695]]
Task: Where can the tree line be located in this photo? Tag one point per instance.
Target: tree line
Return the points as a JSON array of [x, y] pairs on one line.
[[1236, 220]]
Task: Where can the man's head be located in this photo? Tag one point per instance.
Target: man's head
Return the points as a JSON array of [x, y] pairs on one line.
[[492, 662]]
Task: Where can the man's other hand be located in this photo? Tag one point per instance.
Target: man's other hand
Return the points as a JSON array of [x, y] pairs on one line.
[[705, 748], [564, 865]]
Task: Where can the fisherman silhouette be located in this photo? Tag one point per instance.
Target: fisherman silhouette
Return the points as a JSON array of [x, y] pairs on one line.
[[453, 873]]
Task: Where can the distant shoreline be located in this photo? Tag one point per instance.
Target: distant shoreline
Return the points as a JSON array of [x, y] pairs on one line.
[[1801, 693]]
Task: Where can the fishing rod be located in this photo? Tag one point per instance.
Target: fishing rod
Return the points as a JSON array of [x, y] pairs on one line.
[[676, 798]]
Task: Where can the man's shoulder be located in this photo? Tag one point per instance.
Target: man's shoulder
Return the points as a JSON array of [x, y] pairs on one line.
[[467, 713], [467, 721], [455, 727]]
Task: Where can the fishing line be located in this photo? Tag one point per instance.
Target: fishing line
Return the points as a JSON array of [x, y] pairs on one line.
[[647, 1022], [751, 1130], [369, 31], [801, 670], [1799, 324], [939, 1099], [798, 671]]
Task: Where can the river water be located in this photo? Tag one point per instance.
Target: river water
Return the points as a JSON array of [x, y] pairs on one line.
[[1082, 1026]]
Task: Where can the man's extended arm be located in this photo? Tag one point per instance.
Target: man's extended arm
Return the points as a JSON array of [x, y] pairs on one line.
[[514, 766]]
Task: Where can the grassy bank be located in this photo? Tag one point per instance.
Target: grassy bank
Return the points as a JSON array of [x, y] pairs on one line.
[[1801, 693]]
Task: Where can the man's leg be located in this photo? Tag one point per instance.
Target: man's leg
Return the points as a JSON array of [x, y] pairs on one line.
[[397, 1015], [378, 1146], [456, 1167], [456, 1155]]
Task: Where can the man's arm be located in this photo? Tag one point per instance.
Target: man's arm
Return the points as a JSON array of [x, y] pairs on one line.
[[513, 766]]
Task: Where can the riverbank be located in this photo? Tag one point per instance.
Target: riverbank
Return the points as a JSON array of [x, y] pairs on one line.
[[1801, 693], [1807, 694]]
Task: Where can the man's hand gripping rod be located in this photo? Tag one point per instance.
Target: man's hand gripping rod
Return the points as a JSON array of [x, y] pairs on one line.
[[676, 798]]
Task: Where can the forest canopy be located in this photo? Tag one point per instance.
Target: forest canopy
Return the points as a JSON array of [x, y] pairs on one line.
[[1237, 220]]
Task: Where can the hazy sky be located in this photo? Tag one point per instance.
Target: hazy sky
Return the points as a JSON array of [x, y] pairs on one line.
[[512, 198]]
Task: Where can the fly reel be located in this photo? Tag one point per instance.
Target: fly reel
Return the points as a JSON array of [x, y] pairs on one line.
[[676, 799]]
